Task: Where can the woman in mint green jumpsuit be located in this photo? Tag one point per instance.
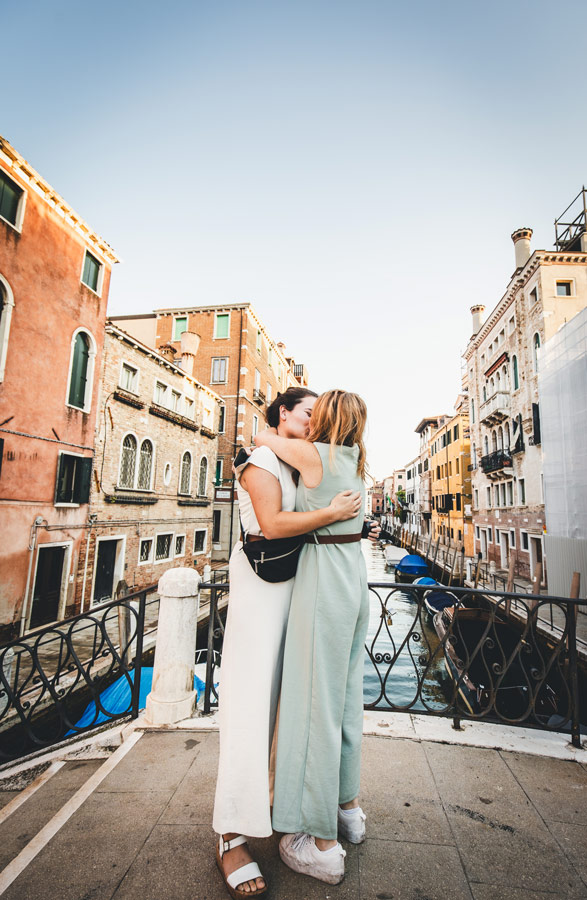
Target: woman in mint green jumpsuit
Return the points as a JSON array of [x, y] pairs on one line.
[[321, 717]]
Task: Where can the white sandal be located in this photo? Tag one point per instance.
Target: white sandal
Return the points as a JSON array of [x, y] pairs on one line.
[[248, 872]]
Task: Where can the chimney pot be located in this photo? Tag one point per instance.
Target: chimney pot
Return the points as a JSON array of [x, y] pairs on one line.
[[190, 341], [521, 238], [477, 313], [167, 351]]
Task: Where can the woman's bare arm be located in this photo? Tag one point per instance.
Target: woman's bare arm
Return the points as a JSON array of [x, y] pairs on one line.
[[300, 454], [265, 493]]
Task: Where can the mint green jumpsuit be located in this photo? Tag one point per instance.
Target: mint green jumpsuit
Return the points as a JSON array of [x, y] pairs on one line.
[[321, 710]]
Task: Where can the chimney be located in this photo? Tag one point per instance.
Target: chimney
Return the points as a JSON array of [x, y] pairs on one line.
[[167, 351], [521, 238], [189, 347], [477, 313]]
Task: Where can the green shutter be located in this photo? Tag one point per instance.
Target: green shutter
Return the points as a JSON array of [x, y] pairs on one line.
[[83, 475], [222, 325], [79, 371], [9, 196]]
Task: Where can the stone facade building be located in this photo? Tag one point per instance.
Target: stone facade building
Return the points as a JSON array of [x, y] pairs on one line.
[[546, 290], [152, 487], [240, 361], [54, 281]]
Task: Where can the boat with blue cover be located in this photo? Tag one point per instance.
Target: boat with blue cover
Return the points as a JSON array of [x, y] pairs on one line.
[[410, 567], [438, 598]]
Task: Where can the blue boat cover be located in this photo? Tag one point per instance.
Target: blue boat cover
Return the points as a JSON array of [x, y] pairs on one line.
[[116, 699], [412, 565], [425, 580]]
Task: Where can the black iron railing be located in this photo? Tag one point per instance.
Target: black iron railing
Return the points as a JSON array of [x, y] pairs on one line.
[[488, 657], [49, 678], [499, 459]]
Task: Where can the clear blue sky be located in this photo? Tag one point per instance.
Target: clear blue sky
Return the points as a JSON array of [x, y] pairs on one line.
[[355, 169]]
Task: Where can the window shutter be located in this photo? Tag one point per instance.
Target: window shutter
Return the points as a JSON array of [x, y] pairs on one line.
[[79, 371], [83, 475], [60, 486], [536, 422]]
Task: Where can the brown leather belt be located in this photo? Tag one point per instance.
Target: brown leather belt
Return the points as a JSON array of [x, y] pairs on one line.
[[254, 537], [333, 538]]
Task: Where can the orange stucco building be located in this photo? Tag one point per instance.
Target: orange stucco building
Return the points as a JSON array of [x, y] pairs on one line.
[[54, 282]]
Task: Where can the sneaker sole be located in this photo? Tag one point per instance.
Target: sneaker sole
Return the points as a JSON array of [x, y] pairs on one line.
[[308, 869]]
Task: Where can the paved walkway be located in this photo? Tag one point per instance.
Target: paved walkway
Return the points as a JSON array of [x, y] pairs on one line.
[[443, 821]]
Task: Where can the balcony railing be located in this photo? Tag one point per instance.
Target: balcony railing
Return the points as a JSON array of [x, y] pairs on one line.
[[500, 459], [496, 408], [258, 396]]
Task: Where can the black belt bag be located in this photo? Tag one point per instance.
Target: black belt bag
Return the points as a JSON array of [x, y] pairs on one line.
[[275, 560]]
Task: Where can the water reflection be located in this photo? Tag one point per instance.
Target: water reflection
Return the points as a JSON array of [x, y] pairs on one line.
[[401, 632]]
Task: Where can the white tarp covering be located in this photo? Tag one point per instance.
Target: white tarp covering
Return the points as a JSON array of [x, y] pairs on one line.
[[562, 384]]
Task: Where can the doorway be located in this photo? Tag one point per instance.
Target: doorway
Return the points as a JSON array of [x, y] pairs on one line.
[[536, 555], [483, 539], [108, 569], [49, 588], [504, 546]]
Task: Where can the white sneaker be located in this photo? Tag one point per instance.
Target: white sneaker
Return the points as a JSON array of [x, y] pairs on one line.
[[352, 827], [300, 853]]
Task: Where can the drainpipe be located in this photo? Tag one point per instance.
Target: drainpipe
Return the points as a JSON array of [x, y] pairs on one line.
[[238, 385], [92, 519], [32, 545]]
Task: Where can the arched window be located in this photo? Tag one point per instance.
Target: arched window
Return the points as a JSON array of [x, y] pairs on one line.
[[128, 459], [505, 379], [203, 479], [516, 376], [484, 392], [500, 438], [185, 478], [6, 307], [506, 436], [497, 381], [535, 350], [81, 370], [486, 445], [145, 465], [472, 412], [493, 442]]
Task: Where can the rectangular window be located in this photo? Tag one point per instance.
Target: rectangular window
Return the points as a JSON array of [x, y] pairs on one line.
[[488, 498], [477, 532], [222, 420], [258, 342], [73, 479], [513, 539], [255, 425], [458, 498], [129, 378], [502, 493], [11, 196], [163, 547], [160, 393], [145, 551], [189, 408], [269, 393], [179, 544], [175, 401], [564, 288], [476, 493], [222, 325], [216, 520], [200, 540], [257, 380], [524, 540], [490, 535], [180, 324], [219, 370], [522, 491], [219, 467], [533, 296], [510, 493], [458, 465], [456, 432], [511, 325], [91, 273]]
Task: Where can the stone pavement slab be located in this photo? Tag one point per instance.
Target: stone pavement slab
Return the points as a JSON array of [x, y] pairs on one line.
[[501, 837], [160, 759], [557, 789], [398, 870]]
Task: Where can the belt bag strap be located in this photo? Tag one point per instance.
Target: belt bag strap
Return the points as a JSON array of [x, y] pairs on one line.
[[333, 538]]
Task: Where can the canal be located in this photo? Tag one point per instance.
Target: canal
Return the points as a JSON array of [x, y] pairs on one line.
[[392, 617]]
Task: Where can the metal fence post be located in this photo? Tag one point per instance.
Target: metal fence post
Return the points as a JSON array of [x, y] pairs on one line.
[[172, 696]]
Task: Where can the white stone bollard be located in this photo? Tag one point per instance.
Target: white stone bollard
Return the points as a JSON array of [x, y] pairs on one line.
[[172, 696]]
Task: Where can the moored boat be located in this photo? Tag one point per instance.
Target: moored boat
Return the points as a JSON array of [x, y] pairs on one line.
[[410, 567], [393, 555], [438, 598]]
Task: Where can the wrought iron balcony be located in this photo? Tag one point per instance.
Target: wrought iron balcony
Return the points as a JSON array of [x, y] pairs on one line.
[[500, 459], [495, 409], [258, 396]]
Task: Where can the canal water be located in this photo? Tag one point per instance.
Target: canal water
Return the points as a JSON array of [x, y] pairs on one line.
[[400, 632]]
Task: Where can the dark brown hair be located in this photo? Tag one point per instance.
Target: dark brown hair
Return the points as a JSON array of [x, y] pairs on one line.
[[289, 399]]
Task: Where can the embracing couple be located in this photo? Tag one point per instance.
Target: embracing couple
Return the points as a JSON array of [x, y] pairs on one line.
[[296, 644]]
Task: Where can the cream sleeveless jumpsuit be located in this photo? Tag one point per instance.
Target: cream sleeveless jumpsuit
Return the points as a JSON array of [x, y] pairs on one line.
[[321, 713]]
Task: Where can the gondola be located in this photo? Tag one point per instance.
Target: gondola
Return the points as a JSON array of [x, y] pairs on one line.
[[492, 666], [438, 598]]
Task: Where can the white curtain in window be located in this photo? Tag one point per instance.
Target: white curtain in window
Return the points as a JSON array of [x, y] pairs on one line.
[[128, 461], [203, 479], [145, 465], [186, 473]]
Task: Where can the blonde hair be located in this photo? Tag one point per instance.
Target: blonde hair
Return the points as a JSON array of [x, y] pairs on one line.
[[339, 418]]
